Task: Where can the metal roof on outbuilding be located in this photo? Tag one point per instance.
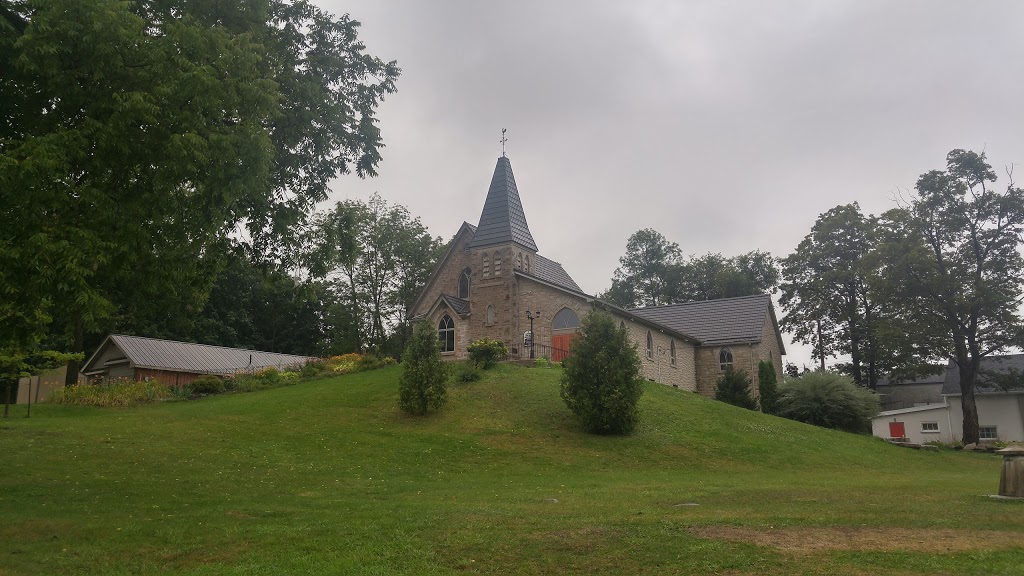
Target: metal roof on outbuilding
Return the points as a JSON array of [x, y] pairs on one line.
[[188, 357]]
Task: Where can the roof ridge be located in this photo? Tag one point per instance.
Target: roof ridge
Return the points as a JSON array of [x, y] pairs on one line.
[[691, 302], [204, 345]]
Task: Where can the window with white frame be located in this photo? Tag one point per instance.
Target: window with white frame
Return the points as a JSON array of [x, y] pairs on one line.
[[725, 359], [672, 352], [929, 427], [988, 433], [650, 346], [446, 333]]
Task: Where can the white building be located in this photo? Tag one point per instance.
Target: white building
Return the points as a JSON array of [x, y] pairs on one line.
[[998, 394]]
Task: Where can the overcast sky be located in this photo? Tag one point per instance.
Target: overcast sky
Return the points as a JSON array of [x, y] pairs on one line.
[[726, 126]]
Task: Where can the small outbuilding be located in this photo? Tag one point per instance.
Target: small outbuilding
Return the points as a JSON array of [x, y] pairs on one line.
[[176, 363]]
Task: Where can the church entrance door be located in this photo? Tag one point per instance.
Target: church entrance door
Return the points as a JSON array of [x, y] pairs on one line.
[[560, 344]]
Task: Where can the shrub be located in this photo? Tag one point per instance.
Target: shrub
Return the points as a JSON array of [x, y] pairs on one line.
[[486, 352], [424, 374], [121, 392], [314, 368], [542, 362], [208, 384], [829, 400], [372, 362], [734, 388], [767, 384], [467, 373], [345, 363], [601, 383], [259, 380]]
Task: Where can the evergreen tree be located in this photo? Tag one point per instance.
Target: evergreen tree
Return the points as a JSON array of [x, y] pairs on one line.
[[601, 381], [767, 385], [734, 388], [423, 384]]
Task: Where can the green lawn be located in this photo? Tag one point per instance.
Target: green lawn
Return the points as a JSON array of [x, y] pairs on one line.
[[329, 477]]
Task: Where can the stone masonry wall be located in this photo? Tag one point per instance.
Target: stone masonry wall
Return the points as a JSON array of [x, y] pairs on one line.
[[659, 368], [744, 356]]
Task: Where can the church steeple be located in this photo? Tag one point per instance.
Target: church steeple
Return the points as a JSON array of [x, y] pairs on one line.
[[502, 219]]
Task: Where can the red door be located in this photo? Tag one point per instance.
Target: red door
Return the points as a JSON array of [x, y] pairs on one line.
[[897, 430], [560, 344]]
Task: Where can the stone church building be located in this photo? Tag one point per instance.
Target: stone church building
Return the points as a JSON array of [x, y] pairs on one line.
[[492, 277]]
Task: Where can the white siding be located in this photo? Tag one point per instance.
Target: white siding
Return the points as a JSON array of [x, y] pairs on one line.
[[1004, 411], [912, 423]]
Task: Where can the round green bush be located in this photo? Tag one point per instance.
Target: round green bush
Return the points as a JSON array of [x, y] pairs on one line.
[[829, 400], [486, 352], [208, 384]]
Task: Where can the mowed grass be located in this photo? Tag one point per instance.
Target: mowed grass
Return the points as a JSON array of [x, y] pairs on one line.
[[328, 477]]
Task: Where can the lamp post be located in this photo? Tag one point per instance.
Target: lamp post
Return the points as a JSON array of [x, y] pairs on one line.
[[532, 316]]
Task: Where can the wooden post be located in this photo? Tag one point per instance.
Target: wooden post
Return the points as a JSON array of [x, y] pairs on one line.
[[1011, 480], [28, 414]]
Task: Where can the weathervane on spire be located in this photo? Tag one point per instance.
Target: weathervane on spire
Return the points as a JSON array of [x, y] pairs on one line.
[[503, 140]]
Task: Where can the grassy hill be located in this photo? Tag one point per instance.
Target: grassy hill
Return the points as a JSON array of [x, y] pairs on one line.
[[329, 477]]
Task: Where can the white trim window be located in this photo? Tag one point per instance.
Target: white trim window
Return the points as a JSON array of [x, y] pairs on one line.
[[725, 359], [446, 334], [650, 346], [929, 427], [672, 353], [988, 433]]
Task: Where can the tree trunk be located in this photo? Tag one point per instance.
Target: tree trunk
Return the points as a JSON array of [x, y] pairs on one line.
[[77, 346], [855, 351], [821, 347], [968, 376]]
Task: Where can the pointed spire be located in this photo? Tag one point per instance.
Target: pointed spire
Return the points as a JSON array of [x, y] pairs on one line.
[[502, 219]]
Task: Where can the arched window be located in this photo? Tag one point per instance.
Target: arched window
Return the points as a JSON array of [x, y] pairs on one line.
[[526, 264], [725, 359], [519, 261], [487, 265], [490, 315], [650, 346], [566, 319], [446, 333], [464, 283], [672, 352]]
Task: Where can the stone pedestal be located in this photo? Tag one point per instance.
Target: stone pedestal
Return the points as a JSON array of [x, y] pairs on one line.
[[1011, 480]]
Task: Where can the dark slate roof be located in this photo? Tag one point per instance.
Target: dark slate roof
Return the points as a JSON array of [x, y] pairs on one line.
[[1011, 367], [552, 272], [926, 379], [194, 358], [460, 306], [723, 321], [502, 219]]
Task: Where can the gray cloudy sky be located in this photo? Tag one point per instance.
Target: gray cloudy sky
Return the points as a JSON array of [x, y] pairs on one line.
[[726, 126]]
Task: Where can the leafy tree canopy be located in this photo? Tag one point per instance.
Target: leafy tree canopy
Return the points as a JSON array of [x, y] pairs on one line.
[[950, 271], [653, 272], [136, 135]]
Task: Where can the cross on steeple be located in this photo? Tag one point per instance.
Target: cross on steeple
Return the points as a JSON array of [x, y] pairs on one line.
[[503, 140]]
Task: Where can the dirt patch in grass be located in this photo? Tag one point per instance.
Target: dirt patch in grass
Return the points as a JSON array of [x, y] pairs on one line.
[[862, 539]]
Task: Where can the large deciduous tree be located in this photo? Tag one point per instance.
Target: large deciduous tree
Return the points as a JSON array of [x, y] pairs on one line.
[[379, 258], [826, 295], [136, 135], [952, 275]]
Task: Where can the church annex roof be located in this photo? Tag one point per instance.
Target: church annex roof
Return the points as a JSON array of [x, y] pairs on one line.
[[722, 321], [503, 219], [460, 306]]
